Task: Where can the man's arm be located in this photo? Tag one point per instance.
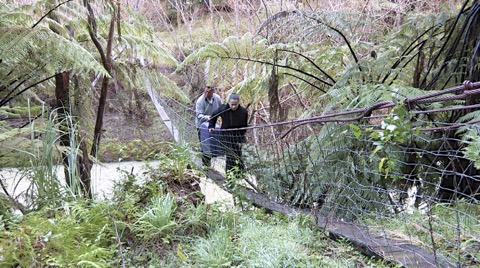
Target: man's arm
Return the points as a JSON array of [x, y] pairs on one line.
[[214, 117], [200, 110], [244, 123]]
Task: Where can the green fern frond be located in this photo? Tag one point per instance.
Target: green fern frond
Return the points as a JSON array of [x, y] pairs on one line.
[[472, 116], [15, 18], [233, 60], [8, 134], [469, 129], [365, 95], [148, 49], [26, 52], [252, 88], [57, 27], [163, 85]]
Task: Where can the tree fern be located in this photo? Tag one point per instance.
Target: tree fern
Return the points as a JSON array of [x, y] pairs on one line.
[[236, 60], [469, 118], [60, 42], [32, 55], [11, 16], [239, 60]]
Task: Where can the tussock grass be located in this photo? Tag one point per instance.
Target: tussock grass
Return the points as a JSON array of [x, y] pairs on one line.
[[157, 221], [258, 240]]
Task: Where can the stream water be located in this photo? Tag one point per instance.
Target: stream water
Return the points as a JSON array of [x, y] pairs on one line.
[[105, 175]]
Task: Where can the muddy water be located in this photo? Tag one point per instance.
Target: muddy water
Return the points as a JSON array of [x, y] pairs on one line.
[[105, 175]]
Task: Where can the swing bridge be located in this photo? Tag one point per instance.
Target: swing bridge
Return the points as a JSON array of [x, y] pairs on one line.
[[395, 163]]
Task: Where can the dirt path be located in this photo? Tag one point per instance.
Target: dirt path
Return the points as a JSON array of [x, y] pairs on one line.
[[105, 175]]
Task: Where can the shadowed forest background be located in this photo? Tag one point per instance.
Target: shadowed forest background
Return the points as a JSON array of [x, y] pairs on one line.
[[361, 112]]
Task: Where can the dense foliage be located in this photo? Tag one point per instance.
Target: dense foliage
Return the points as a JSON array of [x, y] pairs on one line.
[[63, 64], [148, 226]]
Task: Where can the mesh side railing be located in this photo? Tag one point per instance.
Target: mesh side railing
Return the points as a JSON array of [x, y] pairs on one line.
[[401, 173], [422, 190], [183, 118]]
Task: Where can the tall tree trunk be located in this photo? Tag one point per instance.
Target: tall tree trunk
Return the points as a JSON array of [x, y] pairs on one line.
[[100, 112], [62, 96], [273, 98], [277, 113], [106, 57], [84, 164]]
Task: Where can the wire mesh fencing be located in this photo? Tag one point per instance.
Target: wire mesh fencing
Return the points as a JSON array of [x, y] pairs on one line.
[[422, 189], [402, 170]]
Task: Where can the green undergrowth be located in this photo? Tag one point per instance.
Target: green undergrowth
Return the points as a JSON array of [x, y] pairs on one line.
[[147, 225], [160, 220], [19, 111], [16, 152], [114, 150]]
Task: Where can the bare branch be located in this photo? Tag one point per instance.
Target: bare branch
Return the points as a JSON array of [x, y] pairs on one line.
[[278, 65], [48, 13], [311, 61]]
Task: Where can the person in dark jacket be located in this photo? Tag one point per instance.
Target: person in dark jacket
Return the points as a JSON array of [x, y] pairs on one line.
[[233, 116]]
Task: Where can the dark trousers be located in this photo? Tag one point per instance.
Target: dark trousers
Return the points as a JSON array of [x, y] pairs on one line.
[[234, 159], [206, 158]]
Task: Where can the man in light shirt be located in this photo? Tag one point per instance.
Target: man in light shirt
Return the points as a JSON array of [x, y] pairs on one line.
[[205, 105]]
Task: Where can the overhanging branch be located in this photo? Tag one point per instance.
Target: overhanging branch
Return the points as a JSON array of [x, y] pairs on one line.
[[277, 65], [48, 13]]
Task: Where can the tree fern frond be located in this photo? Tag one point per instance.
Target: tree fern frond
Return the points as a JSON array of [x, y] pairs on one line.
[[274, 19], [15, 19], [148, 49], [252, 88], [472, 116], [164, 86], [32, 55], [232, 59], [57, 28], [469, 117], [365, 95], [16, 16], [24, 46], [126, 73]]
